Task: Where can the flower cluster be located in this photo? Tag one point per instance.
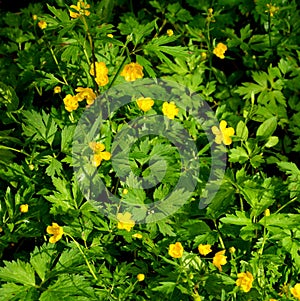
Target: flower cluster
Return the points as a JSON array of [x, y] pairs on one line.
[[81, 9], [57, 232], [100, 74], [223, 134], [124, 221], [220, 50], [72, 101], [132, 71], [99, 153]]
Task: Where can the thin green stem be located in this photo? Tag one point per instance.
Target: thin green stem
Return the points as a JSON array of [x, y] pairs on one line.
[[84, 256], [58, 66]]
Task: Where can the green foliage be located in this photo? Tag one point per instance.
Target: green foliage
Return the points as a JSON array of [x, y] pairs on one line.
[[55, 240]]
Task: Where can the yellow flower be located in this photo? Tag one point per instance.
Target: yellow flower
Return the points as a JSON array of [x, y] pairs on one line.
[[170, 110], [170, 32], [223, 134], [296, 291], [57, 232], [99, 154], [220, 50], [272, 9], [176, 250], [204, 249], [42, 24], [267, 212], [109, 35], [101, 77], [86, 93], [1, 229], [232, 250], [140, 277], [34, 17], [219, 259], [245, 281], [124, 221], [71, 103], [81, 8], [273, 299], [132, 71], [57, 89], [145, 104], [24, 208], [137, 235], [125, 191], [101, 69]]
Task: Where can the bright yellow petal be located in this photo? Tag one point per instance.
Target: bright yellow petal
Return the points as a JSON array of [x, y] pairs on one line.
[[106, 155], [223, 125], [227, 140]]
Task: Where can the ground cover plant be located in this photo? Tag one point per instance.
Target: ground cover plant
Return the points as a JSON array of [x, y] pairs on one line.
[[149, 151]]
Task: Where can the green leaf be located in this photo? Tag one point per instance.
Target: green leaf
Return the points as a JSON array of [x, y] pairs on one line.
[[41, 260], [165, 287], [239, 219], [165, 229], [242, 130], [39, 126], [238, 154], [272, 141], [69, 287], [267, 128], [8, 97], [67, 138], [18, 272], [54, 167], [147, 65], [12, 291]]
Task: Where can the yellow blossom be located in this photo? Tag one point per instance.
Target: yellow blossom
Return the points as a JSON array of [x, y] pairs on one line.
[[223, 134], [176, 250], [1, 229], [81, 8], [170, 32], [42, 24], [125, 191], [232, 250], [57, 89], [109, 35], [245, 281], [272, 9], [124, 221], [57, 232], [267, 212], [203, 55], [24, 208], [140, 277], [170, 110], [99, 154], [101, 77], [204, 249], [71, 103], [137, 235], [132, 71], [145, 104], [87, 94], [219, 259], [220, 50], [34, 17], [296, 291], [272, 299]]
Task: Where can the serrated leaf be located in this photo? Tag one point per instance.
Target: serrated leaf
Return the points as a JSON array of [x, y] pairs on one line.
[[239, 219], [41, 261], [18, 272], [39, 126], [12, 291], [55, 167], [69, 287]]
